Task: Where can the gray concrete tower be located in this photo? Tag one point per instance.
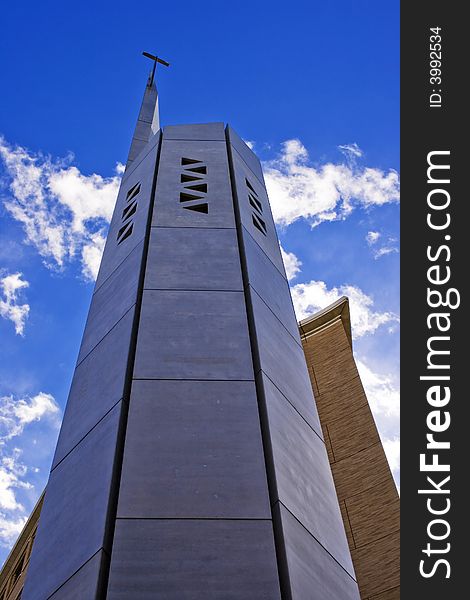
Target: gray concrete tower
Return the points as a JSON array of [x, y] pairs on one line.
[[191, 463]]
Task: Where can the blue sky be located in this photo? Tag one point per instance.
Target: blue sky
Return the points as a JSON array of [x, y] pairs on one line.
[[314, 86]]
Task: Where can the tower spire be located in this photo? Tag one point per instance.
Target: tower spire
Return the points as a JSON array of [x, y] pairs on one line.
[[148, 122]]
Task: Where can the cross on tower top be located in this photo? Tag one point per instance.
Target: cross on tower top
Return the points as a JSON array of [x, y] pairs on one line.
[[156, 60]]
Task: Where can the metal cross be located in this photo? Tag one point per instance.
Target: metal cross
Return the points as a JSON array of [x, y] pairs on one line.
[[155, 61]]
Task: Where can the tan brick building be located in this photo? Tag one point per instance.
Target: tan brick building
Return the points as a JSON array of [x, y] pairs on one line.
[[13, 572]]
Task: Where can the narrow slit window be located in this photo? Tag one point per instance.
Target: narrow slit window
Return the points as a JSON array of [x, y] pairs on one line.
[[129, 211], [195, 186], [200, 187], [188, 197], [125, 232], [202, 170], [132, 193], [250, 186], [259, 224], [185, 178], [255, 203], [18, 569], [202, 208], [189, 161]]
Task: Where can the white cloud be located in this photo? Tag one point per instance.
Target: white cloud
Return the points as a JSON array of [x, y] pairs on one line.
[[10, 308], [91, 255], [12, 511], [292, 264], [381, 391], [379, 250], [372, 237], [351, 151], [392, 451], [11, 473], [250, 144], [120, 168], [386, 249], [311, 297], [15, 415], [10, 528], [383, 395], [325, 193], [64, 214]]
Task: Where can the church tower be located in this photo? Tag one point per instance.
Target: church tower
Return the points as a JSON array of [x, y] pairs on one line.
[[191, 464]]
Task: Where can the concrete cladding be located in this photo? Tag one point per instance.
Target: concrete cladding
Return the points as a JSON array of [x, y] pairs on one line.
[[191, 463]]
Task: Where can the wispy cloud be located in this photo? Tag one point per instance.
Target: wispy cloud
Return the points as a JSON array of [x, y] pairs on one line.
[[11, 472], [383, 395], [392, 451], [372, 237], [10, 528], [64, 213], [10, 307], [351, 151], [16, 414], [329, 192], [313, 296], [380, 246], [12, 512], [292, 264]]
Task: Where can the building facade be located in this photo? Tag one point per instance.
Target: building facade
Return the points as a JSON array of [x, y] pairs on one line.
[[191, 462]]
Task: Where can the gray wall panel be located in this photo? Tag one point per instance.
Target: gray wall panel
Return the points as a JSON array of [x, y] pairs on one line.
[[169, 210], [193, 449], [84, 584], [195, 131], [98, 383], [193, 259], [314, 574], [133, 165], [142, 132], [253, 205], [193, 335], [112, 301], [270, 285], [74, 515], [299, 472], [141, 173], [138, 146], [246, 153], [193, 560], [304, 481], [283, 361]]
